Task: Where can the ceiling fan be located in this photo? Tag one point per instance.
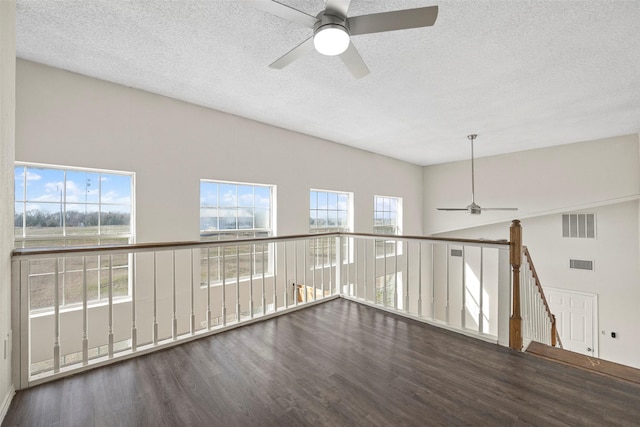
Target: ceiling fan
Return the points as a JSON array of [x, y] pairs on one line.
[[332, 29], [473, 208]]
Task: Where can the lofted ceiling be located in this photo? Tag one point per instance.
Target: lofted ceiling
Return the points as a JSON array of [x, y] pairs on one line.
[[522, 74]]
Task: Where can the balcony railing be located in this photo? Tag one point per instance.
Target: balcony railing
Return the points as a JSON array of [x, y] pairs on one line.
[[77, 308]]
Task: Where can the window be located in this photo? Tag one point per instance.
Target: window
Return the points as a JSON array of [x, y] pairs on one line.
[[329, 211], [579, 226], [228, 211], [387, 219], [57, 206]]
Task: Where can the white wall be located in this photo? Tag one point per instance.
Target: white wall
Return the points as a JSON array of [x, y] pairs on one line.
[[537, 182], [7, 128], [68, 119], [584, 174]]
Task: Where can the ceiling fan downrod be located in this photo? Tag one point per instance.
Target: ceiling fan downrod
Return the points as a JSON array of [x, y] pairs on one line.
[[472, 137]]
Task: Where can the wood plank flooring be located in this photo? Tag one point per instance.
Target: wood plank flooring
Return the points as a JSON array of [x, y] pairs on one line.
[[585, 362], [335, 364]]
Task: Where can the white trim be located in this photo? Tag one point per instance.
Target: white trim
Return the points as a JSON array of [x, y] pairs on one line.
[[73, 168], [7, 402]]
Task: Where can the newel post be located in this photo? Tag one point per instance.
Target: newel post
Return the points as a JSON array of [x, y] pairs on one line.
[[554, 331], [515, 256]]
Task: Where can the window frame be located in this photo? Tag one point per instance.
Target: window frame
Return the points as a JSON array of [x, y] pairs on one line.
[[397, 225], [321, 249], [349, 211], [227, 234], [100, 236], [74, 239]]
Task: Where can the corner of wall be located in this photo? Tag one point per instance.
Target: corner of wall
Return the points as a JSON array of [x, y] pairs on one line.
[[7, 157], [4, 408]]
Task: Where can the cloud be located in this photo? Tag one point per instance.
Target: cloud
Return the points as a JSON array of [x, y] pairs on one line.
[[31, 176], [114, 197], [229, 198], [51, 192], [246, 200], [76, 193]]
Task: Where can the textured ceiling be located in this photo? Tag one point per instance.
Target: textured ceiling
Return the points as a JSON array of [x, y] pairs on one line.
[[521, 74]]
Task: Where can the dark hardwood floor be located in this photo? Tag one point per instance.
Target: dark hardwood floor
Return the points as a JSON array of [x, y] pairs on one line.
[[335, 364], [581, 361]]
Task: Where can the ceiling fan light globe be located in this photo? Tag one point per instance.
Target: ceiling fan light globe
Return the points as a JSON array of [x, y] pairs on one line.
[[331, 39]]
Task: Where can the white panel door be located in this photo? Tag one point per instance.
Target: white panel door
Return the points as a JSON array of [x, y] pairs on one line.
[[576, 319]]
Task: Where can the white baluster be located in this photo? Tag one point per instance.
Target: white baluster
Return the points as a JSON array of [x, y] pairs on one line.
[[330, 267], [238, 312], [264, 298], [275, 268], [85, 314], [224, 285], [464, 289], [174, 323], [134, 330], [355, 265], [155, 299], [251, 273], [395, 275], [406, 280], [447, 255], [365, 269], [306, 251], [56, 320], [480, 297], [193, 312], [286, 277], [322, 271], [295, 272], [208, 288], [384, 272], [110, 345]]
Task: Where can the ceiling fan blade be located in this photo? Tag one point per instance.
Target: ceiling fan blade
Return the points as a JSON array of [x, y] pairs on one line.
[[452, 209], [391, 21], [286, 12], [499, 209], [295, 53], [337, 7], [354, 62]]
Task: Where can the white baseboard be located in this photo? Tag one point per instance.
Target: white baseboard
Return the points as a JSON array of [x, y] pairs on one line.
[[6, 402]]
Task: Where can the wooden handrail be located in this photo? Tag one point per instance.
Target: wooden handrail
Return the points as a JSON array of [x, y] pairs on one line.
[[160, 246], [555, 338]]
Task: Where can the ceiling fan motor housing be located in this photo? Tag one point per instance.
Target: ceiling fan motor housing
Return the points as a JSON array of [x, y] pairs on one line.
[[473, 209], [332, 20]]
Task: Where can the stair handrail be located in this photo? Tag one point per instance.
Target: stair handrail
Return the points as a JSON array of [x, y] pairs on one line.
[[555, 337]]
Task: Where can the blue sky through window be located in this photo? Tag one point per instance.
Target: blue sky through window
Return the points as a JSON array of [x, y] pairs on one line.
[[45, 186]]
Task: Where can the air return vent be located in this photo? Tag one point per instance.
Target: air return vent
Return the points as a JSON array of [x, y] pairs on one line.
[[456, 252], [581, 226], [580, 264]]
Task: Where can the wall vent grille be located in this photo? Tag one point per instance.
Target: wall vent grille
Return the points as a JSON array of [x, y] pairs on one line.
[[582, 226], [456, 252], [581, 264]]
